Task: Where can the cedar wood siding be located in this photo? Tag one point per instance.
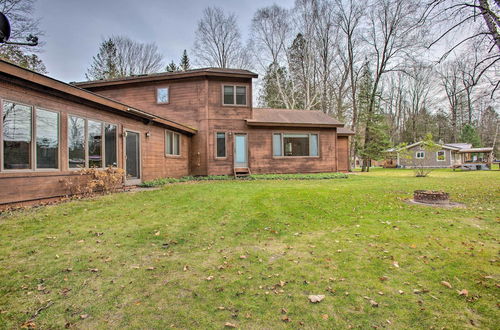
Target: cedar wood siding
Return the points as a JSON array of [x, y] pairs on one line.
[[430, 159], [187, 105], [197, 102], [28, 185]]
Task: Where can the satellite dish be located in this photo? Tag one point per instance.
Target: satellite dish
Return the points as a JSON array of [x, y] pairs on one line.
[[4, 28]]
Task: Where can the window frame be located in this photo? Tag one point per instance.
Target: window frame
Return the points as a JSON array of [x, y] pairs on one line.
[[103, 143], [180, 143], [282, 134], [156, 94], [216, 147], [59, 139], [420, 151], [33, 165], [444, 155], [234, 95]]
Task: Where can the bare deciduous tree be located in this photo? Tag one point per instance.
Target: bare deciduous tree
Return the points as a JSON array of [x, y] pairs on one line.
[[121, 56], [218, 41]]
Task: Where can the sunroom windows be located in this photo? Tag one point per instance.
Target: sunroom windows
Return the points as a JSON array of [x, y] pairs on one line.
[[295, 145], [86, 146], [30, 137]]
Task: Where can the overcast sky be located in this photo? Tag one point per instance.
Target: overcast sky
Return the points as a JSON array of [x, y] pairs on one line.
[[75, 28]]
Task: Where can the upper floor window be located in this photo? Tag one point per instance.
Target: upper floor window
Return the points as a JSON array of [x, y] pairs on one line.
[[29, 141], [162, 95], [234, 95], [172, 143], [420, 155], [295, 145], [441, 156]]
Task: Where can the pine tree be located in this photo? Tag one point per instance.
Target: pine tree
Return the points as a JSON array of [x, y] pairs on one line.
[[15, 55], [376, 139], [269, 95], [172, 67], [470, 135], [184, 65], [105, 63]]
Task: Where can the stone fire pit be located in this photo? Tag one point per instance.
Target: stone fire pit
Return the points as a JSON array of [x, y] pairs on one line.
[[433, 198]]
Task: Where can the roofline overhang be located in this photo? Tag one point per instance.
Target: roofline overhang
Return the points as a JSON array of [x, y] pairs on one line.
[[281, 124], [70, 90], [161, 77], [346, 134]]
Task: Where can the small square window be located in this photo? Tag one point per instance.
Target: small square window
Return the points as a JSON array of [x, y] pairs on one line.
[[162, 95], [420, 155], [441, 156]]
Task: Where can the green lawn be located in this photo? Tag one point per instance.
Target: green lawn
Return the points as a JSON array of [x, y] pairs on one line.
[[250, 252]]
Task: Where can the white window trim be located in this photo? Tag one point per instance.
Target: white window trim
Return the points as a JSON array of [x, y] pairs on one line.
[[180, 144], [423, 154], [282, 136], [234, 95], [437, 156], [168, 99]]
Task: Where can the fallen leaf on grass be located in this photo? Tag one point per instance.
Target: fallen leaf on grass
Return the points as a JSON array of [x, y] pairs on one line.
[[243, 257], [383, 278], [28, 325], [374, 303], [285, 318], [210, 278], [316, 298], [395, 264], [230, 325], [324, 316], [84, 316], [186, 268], [150, 268], [446, 284], [463, 292]]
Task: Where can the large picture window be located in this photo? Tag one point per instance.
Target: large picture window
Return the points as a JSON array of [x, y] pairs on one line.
[[295, 145], [234, 95], [47, 139], [172, 143], [86, 146], [17, 136], [220, 143]]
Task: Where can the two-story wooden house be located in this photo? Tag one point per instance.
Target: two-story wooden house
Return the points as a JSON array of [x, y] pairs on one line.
[[233, 136], [197, 122]]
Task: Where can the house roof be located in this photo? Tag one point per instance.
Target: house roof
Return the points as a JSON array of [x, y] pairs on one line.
[[16, 72], [444, 146], [292, 118], [344, 131], [214, 72], [471, 150], [459, 145]]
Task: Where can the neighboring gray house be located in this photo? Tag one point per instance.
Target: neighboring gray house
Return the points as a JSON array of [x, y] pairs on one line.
[[451, 155]]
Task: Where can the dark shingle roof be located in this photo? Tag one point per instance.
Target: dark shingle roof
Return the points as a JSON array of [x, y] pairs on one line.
[[168, 75], [293, 118]]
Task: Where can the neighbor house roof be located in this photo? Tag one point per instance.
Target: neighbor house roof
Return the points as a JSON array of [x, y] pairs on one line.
[[471, 150], [444, 146], [213, 72], [16, 73], [293, 118], [459, 145]]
